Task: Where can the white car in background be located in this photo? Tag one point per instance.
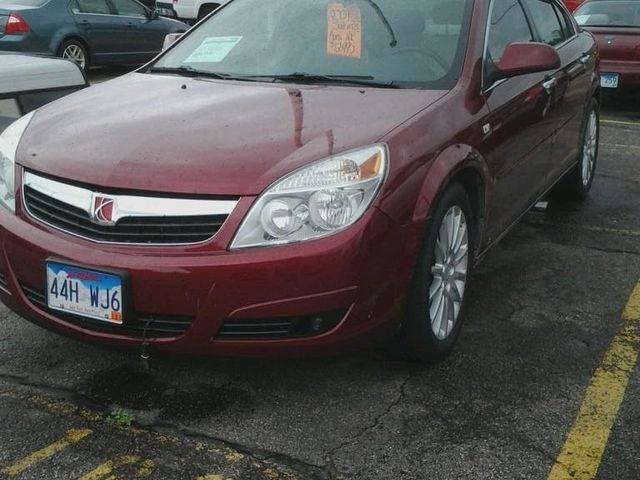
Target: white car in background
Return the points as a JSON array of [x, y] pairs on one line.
[[29, 82], [194, 10]]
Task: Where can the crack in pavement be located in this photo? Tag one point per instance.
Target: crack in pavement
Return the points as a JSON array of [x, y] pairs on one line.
[[614, 251], [80, 401], [253, 452], [578, 226], [332, 470]]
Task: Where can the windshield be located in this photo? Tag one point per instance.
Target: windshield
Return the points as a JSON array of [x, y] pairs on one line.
[[23, 3], [409, 43], [609, 14]]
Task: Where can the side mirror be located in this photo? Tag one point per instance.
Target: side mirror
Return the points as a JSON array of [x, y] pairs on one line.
[[522, 58], [170, 40], [153, 14]]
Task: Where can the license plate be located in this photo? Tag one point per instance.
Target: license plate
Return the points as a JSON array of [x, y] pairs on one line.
[[88, 293], [609, 80]]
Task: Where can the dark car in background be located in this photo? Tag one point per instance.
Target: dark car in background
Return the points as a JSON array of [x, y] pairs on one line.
[[88, 32], [616, 26]]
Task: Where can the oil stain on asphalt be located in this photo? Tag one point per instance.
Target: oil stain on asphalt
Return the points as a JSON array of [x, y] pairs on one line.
[[131, 388]]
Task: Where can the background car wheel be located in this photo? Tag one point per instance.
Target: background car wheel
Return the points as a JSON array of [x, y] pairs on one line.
[[206, 10], [577, 184], [434, 310], [75, 51]]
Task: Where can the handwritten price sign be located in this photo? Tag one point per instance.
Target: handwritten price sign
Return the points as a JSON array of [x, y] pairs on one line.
[[344, 32]]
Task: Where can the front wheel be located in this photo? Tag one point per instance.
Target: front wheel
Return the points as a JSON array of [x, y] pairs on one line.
[[436, 301]]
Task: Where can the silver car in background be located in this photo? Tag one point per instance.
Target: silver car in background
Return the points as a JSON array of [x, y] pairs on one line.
[[29, 82]]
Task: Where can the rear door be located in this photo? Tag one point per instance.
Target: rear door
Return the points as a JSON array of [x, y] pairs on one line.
[[520, 126], [149, 32], [95, 19], [570, 85], [131, 16]]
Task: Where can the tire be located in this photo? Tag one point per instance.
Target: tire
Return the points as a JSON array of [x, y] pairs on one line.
[[75, 51], [425, 335], [578, 182]]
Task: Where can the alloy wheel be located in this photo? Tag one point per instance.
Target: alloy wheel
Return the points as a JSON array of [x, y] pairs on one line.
[[449, 271], [590, 148], [75, 53]]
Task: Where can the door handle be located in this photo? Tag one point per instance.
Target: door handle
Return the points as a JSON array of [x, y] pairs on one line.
[[550, 84], [130, 25], [586, 58]]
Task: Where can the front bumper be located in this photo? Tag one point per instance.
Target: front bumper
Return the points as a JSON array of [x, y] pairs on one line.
[[353, 275]]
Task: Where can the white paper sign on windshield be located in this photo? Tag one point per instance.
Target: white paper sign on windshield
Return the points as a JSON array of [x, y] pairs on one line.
[[213, 50]]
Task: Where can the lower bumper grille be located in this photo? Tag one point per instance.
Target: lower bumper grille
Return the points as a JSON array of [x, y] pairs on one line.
[[145, 325], [279, 328]]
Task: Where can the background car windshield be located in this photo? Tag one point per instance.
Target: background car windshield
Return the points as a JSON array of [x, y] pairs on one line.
[[23, 3], [413, 43], [609, 14]]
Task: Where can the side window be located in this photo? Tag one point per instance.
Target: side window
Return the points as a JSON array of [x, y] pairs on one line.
[[129, 8], [545, 19], [567, 24], [94, 6], [508, 24]]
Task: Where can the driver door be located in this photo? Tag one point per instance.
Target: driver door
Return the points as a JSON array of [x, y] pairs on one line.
[[520, 127]]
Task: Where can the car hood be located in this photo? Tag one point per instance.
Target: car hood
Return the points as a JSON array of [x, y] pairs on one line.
[[163, 133]]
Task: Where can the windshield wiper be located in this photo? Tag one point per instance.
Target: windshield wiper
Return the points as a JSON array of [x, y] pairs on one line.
[[302, 77], [189, 72], [297, 77]]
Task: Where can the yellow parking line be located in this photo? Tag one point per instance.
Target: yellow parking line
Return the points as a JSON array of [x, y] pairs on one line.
[[620, 122], [72, 436], [582, 452], [104, 471]]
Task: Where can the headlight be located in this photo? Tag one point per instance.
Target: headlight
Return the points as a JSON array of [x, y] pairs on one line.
[[8, 146], [316, 201]]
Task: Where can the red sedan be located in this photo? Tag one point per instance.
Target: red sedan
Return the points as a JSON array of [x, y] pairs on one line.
[[573, 4], [295, 178], [616, 26]]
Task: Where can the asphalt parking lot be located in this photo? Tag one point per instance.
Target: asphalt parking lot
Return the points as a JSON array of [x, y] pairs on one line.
[[543, 384]]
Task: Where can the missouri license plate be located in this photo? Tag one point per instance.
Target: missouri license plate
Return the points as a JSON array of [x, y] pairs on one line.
[[84, 292], [609, 80]]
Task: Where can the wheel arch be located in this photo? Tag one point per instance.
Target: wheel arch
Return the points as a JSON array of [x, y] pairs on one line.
[[461, 164], [76, 37], [457, 163]]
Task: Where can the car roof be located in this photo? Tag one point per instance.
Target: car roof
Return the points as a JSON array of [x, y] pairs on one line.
[[20, 73]]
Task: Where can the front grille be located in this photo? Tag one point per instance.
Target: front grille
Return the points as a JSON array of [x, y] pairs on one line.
[[145, 325], [278, 328], [135, 230]]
